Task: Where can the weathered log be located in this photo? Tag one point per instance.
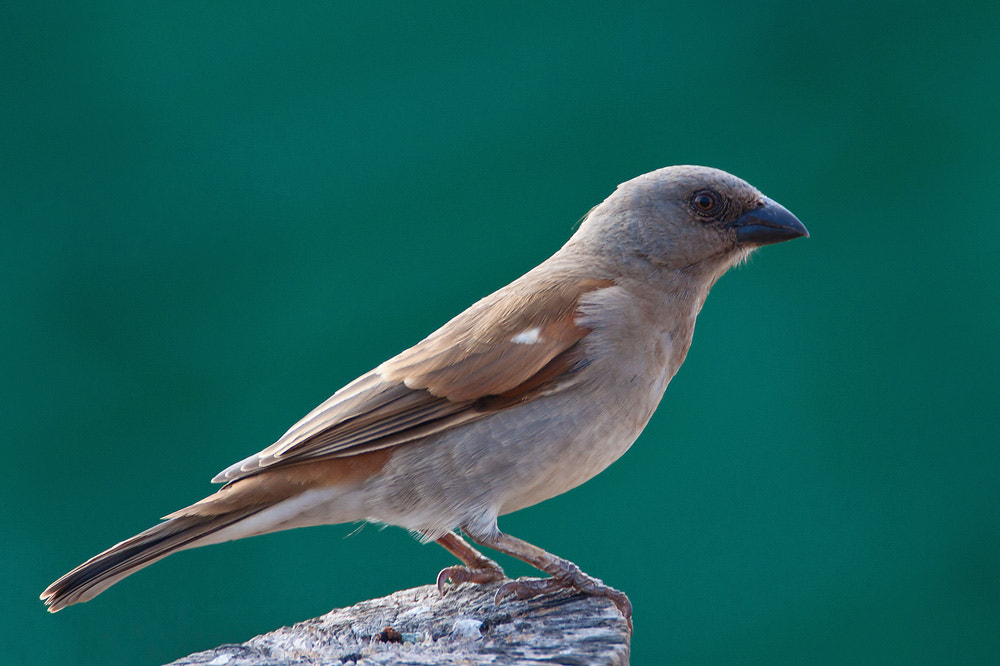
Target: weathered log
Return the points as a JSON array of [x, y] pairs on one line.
[[420, 627]]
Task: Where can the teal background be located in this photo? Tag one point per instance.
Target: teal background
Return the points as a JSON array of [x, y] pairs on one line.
[[216, 214]]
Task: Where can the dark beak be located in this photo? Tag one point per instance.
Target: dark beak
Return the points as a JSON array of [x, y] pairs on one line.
[[769, 223]]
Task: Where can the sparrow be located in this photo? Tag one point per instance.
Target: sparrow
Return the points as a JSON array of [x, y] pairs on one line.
[[528, 393]]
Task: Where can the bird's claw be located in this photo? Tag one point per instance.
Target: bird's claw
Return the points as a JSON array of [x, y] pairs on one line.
[[526, 588], [459, 574]]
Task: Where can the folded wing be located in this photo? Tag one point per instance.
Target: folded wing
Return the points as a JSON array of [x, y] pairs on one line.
[[507, 348]]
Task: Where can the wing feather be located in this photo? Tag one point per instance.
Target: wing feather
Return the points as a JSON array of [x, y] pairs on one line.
[[504, 349]]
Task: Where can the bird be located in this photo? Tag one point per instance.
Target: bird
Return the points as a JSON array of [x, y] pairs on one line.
[[528, 393]]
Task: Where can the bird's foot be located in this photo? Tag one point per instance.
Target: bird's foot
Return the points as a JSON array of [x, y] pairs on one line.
[[478, 568], [486, 572], [572, 579]]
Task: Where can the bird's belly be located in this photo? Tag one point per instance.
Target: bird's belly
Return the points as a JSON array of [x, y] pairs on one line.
[[508, 461], [588, 447]]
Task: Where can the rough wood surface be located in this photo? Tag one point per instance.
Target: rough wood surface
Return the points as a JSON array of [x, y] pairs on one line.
[[419, 627]]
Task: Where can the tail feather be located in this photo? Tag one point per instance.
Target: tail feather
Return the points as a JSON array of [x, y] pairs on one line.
[[259, 504], [123, 559]]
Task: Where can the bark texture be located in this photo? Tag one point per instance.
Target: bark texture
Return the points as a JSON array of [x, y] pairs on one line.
[[420, 627]]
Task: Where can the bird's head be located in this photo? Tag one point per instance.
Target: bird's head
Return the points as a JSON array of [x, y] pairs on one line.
[[686, 218]]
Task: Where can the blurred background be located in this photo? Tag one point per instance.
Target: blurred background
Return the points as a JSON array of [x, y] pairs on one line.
[[213, 215]]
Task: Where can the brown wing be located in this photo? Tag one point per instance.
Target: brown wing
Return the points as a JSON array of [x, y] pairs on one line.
[[505, 349]]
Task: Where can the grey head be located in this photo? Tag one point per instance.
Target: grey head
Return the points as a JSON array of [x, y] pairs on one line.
[[685, 218]]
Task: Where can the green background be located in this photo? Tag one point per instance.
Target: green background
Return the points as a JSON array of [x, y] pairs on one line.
[[215, 214]]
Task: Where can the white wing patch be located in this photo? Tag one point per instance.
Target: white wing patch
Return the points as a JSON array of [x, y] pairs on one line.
[[528, 336]]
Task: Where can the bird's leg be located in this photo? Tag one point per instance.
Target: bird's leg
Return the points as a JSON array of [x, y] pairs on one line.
[[564, 574], [478, 568]]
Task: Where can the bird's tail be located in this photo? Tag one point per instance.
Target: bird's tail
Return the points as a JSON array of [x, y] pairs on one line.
[[100, 572], [257, 504]]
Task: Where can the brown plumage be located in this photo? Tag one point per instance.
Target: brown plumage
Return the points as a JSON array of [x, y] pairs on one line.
[[531, 391]]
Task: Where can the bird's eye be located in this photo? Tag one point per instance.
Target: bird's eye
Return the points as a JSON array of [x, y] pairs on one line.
[[705, 202]]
